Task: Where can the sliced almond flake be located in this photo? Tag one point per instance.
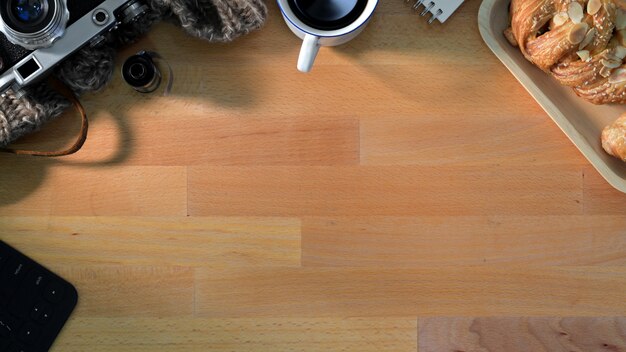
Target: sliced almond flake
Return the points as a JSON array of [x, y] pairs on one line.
[[593, 6], [620, 20], [620, 52], [605, 71], [611, 57], [618, 76], [578, 32], [609, 54], [560, 19], [611, 63], [589, 37], [584, 55], [575, 12]]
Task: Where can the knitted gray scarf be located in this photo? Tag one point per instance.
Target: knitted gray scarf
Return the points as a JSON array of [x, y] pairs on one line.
[[92, 67]]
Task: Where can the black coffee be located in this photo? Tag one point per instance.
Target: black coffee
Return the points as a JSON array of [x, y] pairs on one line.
[[328, 14]]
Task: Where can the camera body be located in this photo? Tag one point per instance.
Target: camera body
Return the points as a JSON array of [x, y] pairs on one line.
[[37, 35]]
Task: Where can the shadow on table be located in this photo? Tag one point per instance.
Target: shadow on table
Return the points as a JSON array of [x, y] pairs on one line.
[[419, 47], [234, 88], [20, 176]]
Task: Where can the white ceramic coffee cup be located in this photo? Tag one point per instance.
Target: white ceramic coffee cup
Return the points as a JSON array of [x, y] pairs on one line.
[[314, 38]]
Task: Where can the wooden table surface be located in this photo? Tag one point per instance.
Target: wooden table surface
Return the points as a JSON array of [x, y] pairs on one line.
[[407, 181]]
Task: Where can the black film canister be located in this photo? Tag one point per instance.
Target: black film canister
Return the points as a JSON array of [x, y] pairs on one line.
[[141, 73]]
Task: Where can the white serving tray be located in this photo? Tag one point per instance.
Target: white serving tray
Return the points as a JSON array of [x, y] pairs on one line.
[[580, 120]]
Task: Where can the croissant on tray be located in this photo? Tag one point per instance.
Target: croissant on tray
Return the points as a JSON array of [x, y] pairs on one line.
[[614, 138], [582, 44]]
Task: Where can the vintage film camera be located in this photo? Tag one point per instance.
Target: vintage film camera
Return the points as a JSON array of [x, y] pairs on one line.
[[36, 35]]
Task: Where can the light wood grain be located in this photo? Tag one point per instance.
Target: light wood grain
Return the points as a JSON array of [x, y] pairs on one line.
[[246, 140], [157, 241], [398, 190], [273, 334], [442, 141], [140, 291], [43, 187], [379, 292], [600, 199], [522, 334], [458, 241], [409, 176]]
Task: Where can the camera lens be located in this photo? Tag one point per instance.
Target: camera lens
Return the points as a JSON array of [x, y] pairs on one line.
[[33, 24], [27, 16], [28, 11]]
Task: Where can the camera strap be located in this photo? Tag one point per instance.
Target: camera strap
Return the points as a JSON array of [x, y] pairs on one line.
[[64, 90]]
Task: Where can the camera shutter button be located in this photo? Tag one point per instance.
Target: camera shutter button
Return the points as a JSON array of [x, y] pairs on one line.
[[100, 17]]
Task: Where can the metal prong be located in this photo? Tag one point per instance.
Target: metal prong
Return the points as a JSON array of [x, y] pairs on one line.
[[428, 8], [417, 4], [435, 16]]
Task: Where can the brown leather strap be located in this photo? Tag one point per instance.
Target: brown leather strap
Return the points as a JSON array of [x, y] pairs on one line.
[[82, 137]]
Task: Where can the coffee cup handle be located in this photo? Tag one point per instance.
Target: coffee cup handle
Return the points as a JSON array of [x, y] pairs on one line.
[[308, 53]]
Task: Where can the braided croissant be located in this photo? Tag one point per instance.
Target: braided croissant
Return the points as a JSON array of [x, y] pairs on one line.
[[582, 44]]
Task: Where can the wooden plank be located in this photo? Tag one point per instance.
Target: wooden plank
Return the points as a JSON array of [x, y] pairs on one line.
[[156, 241], [131, 291], [255, 140], [393, 191], [388, 292], [469, 139], [50, 187], [522, 334], [274, 334], [600, 197], [454, 241], [390, 92]]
